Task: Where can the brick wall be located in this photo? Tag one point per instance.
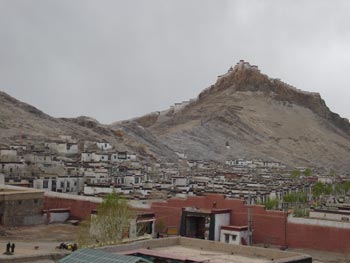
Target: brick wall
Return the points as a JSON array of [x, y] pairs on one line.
[[79, 209], [318, 237], [268, 226]]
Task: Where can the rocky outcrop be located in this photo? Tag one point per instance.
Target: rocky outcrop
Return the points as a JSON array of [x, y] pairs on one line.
[[245, 77], [259, 117]]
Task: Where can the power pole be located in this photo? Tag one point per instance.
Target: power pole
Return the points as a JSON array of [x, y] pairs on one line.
[[250, 232]]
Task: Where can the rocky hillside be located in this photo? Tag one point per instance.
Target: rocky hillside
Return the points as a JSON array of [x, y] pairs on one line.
[[22, 123], [247, 114]]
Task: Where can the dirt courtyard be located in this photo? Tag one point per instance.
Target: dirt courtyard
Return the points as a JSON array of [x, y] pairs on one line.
[[35, 240], [42, 233]]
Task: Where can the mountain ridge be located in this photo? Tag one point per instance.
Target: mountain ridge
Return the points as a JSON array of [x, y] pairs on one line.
[[256, 116], [244, 114]]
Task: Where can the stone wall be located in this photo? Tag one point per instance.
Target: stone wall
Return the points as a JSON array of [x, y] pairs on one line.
[[22, 210]]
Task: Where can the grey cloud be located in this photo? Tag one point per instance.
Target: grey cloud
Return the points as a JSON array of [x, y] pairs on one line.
[[115, 60]]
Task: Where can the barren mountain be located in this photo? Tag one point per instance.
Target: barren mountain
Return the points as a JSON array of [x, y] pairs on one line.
[[246, 114], [22, 123]]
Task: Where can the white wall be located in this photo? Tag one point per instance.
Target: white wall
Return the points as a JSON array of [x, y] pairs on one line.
[[86, 157], [104, 146], [330, 216], [8, 155], [235, 241], [318, 222], [57, 217], [220, 220]]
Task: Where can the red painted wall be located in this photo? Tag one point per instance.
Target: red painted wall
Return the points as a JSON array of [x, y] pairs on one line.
[[79, 209], [268, 226], [318, 237]]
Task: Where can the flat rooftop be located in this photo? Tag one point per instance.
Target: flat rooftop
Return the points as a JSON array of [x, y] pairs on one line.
[[21, 190], [180, 253], [199, 250]]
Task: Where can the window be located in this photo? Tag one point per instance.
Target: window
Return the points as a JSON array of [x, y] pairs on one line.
[[20, 202], [227, 238], [234, 237], [45, 184]]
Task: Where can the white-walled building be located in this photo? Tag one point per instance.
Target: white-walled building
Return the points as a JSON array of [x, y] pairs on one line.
[[63, 184], [12, 169], [179, 181], [104, 146], [19, 147], [8, 155], [235, 235], [86, 157], [63, 147]]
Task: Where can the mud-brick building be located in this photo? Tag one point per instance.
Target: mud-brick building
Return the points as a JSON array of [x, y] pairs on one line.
[[21, 207]]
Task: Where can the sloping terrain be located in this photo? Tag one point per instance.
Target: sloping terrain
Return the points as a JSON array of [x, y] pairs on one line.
[[245, 114], [23, 123]]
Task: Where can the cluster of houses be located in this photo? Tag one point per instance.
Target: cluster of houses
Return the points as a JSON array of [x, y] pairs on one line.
[[64, 165], [97, 168]]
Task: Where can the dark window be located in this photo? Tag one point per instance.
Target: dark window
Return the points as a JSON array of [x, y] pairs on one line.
[[45, 184], [20, 202], [227, 238]]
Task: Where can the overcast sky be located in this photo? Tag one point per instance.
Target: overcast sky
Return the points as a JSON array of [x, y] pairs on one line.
[[114, 60]]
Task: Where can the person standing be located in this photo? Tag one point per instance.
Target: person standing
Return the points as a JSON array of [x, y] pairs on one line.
[[8, 246], [13, 248]]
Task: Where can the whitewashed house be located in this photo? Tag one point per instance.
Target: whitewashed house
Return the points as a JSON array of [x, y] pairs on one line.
[[104, 146], [12, 169], [21, 148], [235, 235], [131, 156], [179, 181], [86, 157], [63, 147], [63, 184], [8, 155]]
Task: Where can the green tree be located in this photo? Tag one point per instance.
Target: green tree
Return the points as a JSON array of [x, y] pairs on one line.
[[318, 189], [271, 203], [308, 172], [293, 198], [346, 187], [331, 173], [295, 174], [328, 189], [108, 225], [339, 189]]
